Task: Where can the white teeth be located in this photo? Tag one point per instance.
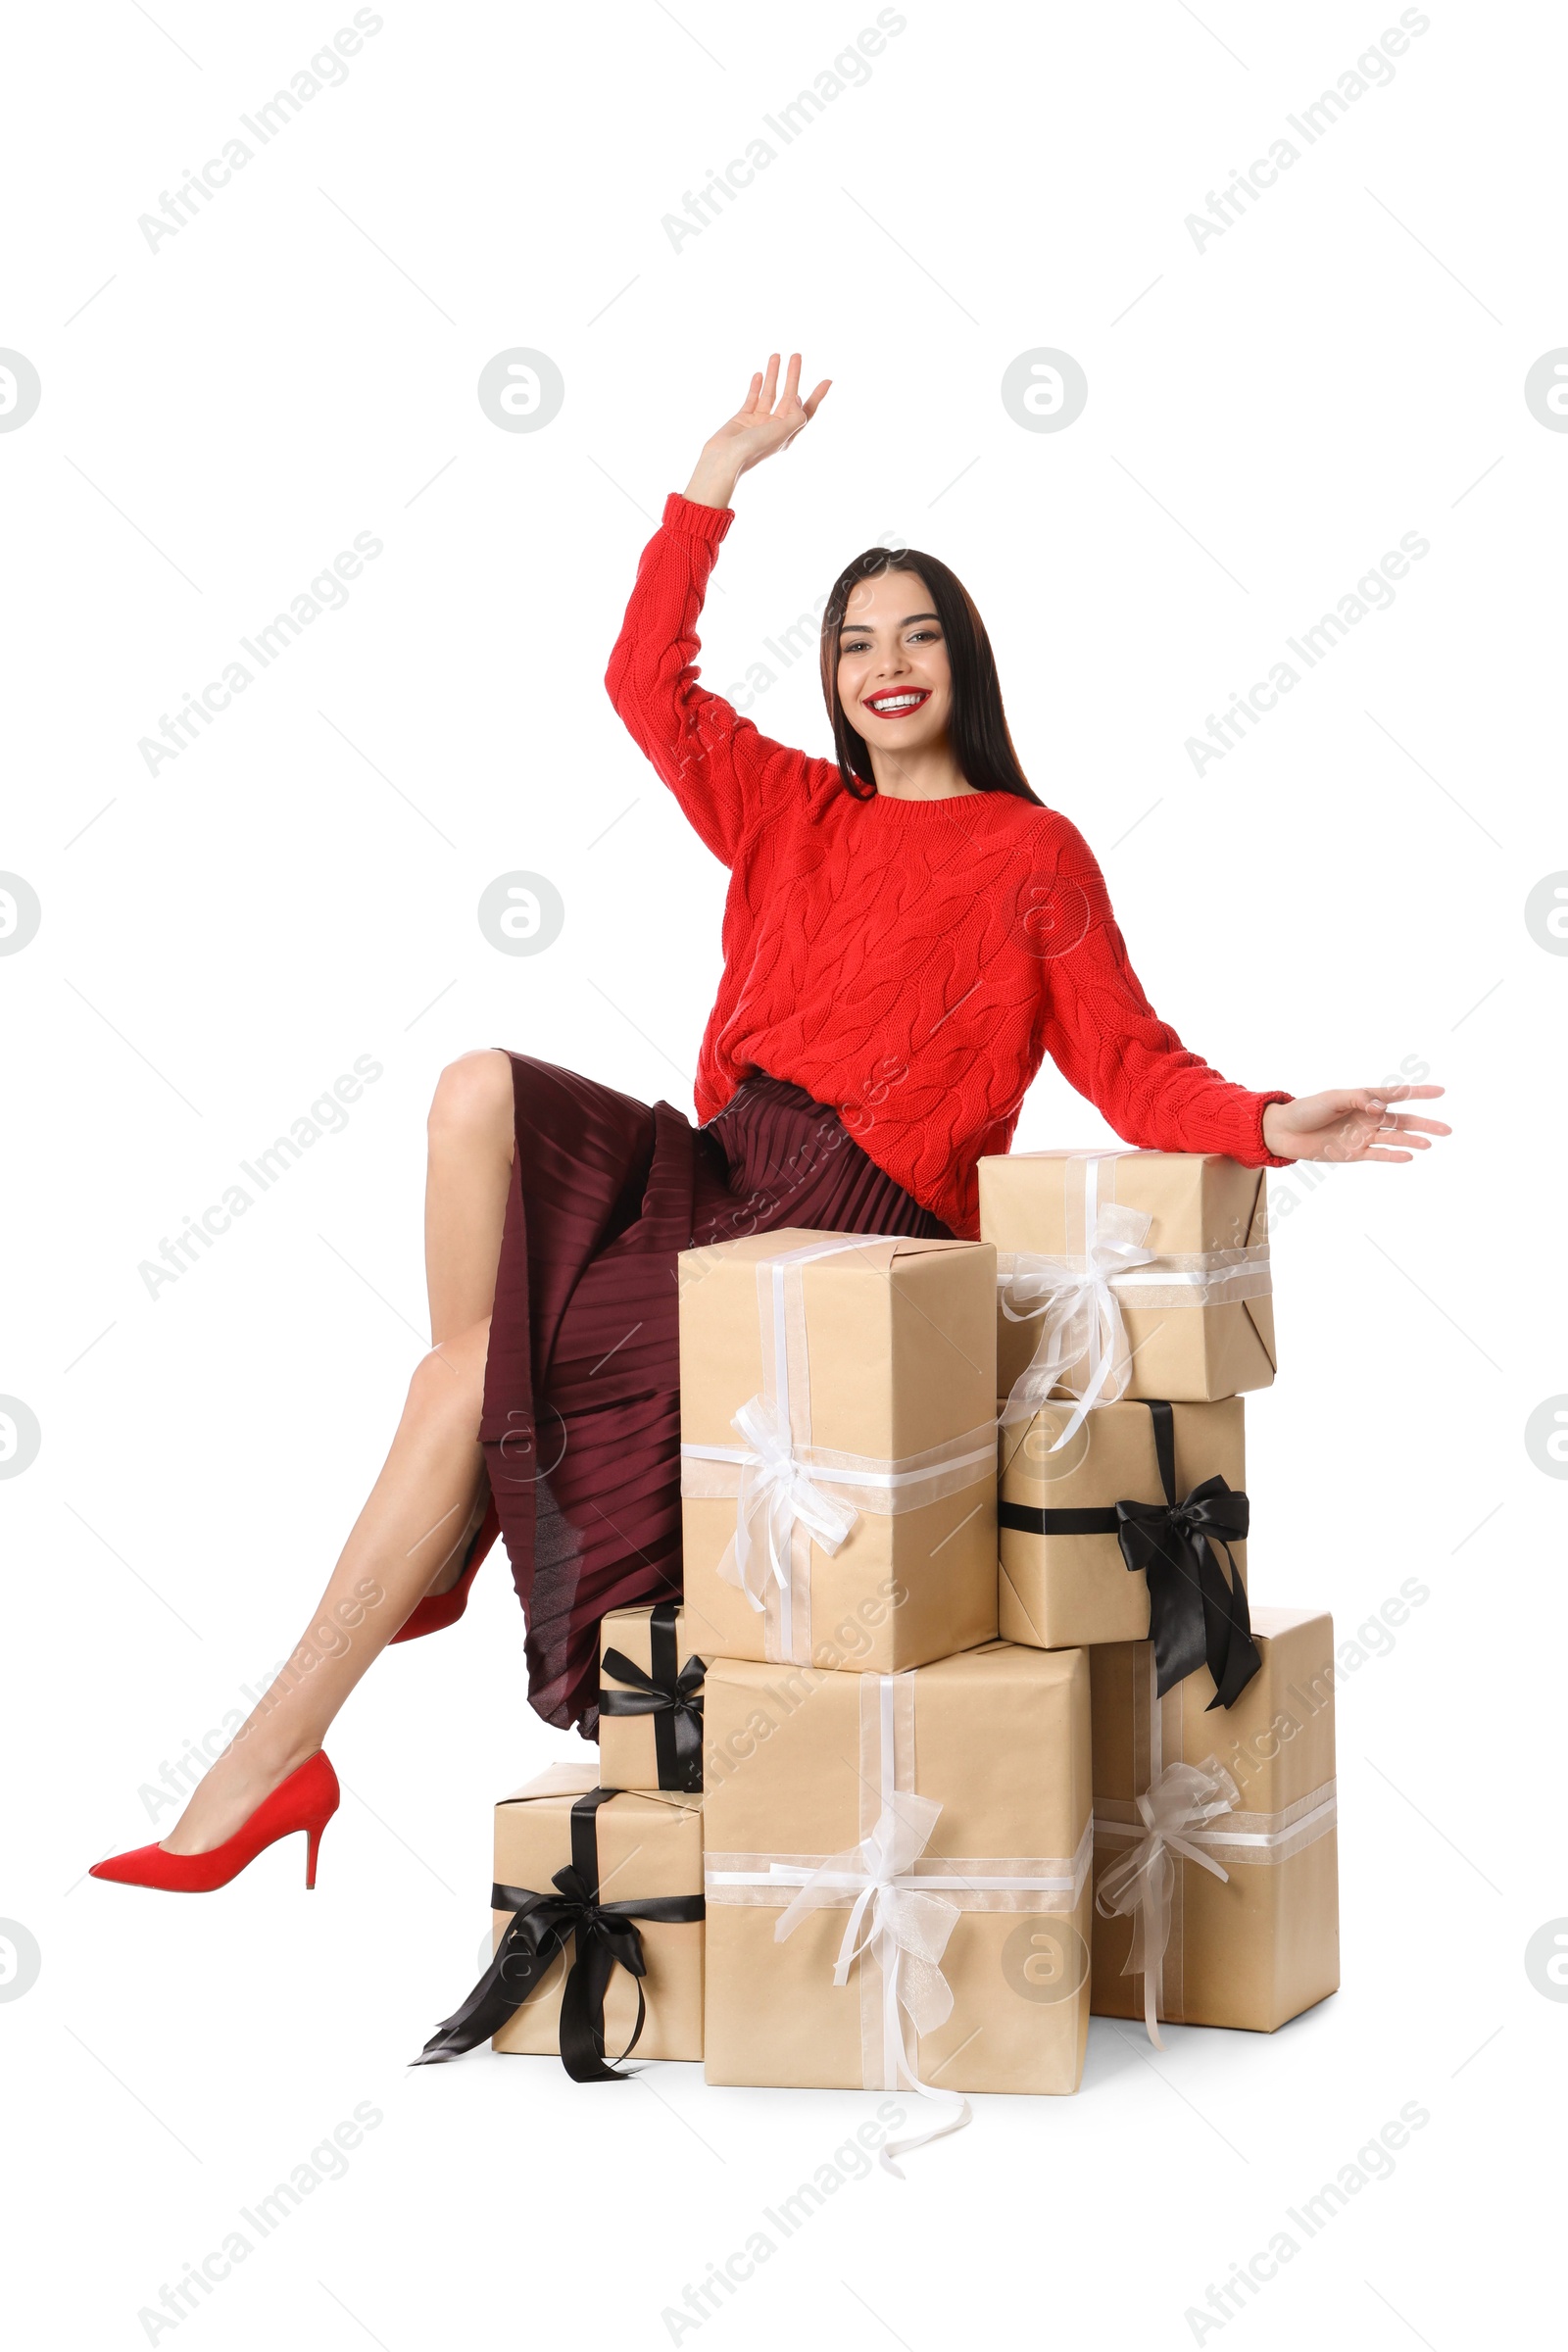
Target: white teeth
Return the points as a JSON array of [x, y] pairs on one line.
[[895, 702]]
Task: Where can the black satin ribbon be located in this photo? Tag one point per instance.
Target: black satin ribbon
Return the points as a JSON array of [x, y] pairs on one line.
[[1196, 1615], [671, 1698], [540, 1927]]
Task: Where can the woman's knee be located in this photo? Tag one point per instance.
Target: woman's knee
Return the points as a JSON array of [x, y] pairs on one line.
[[448, 1384], [472, 1100]]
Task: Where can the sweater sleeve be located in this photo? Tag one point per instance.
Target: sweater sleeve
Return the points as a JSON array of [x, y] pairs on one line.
[[1107, 1041], [723, 772]]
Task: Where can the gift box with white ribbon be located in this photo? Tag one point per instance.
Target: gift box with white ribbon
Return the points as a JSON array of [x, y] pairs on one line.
[[1128, 1274], [1216, 1886], [838, 1448], [897, 1876]]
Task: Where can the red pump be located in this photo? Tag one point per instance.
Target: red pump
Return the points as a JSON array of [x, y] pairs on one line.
[[438, 1609], [307, 1800]]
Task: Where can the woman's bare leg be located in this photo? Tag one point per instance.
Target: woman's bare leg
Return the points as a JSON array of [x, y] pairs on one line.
[[472, 1134], [412, 1534], [414, 1517]]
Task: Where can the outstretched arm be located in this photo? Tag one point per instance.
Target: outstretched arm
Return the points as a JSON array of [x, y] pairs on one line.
[[1353, 1122], [1104, 1036], [723, 772]]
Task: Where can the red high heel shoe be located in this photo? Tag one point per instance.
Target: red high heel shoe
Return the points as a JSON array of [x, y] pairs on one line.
[[438, 1609], [307, 1800]]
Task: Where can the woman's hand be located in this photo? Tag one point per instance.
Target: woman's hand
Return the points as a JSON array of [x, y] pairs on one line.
[[1356, 1122], [766, 420]]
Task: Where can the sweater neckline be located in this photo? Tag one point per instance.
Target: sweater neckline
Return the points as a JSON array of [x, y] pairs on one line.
[[922, 812]]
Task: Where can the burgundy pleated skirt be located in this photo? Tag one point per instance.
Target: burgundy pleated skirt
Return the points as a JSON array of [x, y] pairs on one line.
[[581, 1428]]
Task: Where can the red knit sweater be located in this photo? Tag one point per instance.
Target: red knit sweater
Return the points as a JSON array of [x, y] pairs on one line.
[[908, 963]]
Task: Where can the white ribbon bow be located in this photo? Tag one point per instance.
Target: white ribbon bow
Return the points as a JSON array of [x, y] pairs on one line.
[[1082, 1314], [906, 1930], [777, 1490], [1139, 1882]]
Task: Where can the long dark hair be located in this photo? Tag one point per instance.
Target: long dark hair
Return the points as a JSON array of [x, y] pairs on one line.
[[978, 733]]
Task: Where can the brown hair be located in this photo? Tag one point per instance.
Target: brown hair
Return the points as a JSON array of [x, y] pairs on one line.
[[981, 743]]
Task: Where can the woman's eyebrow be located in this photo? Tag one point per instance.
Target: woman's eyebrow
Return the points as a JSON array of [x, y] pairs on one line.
[[852, 625]]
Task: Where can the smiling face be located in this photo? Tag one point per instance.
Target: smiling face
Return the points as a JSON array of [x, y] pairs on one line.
[[894, 678]]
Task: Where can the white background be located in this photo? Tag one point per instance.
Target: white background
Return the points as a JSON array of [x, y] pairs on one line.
[[1338, 898]]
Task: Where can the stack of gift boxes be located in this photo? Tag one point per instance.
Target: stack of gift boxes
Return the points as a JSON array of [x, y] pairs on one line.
[[964, 1727]]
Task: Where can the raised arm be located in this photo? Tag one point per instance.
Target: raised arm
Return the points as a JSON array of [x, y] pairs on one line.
[[723, 772]]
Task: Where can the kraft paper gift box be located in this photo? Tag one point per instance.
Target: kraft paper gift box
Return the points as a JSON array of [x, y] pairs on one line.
[[965, 1787], [637, 1858], [650, 1701], [838, 1448], [1153, 1267], [1251, 1790], [1131, 1524]]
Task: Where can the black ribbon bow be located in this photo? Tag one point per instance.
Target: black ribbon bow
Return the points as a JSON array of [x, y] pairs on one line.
[[1196, 1615], [541, 1925], [671, 1698]]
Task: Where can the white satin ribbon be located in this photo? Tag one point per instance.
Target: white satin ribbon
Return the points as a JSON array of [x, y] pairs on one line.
[[1081, 1311], [1081, 1298], [783, 1484], [1244, 1839], [903, 1925], [778, 1484], [1183, 1799], [776, 1491], [903, 1905], [1201, 1278]]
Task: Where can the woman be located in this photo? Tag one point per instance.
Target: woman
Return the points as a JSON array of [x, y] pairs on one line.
[[909, 931]]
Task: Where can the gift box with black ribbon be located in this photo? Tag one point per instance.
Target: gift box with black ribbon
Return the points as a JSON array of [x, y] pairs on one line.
[[1130, 1526], [1128, 1274], [650, 1701], [1216, 1899], [838, 1448], [897, 1876], [598, 1918]]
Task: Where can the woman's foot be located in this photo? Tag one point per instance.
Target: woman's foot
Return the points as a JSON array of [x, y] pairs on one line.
[[238, 1782]]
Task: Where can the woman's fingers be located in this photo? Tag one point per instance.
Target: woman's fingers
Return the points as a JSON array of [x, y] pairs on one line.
[[1311, 1112], [767, 396], [1373, 1097], [1359, 1122], [1391, 1118], [770, 416], [1404, 1123]]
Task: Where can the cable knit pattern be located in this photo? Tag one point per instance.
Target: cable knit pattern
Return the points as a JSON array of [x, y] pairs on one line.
[[908, 963]]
